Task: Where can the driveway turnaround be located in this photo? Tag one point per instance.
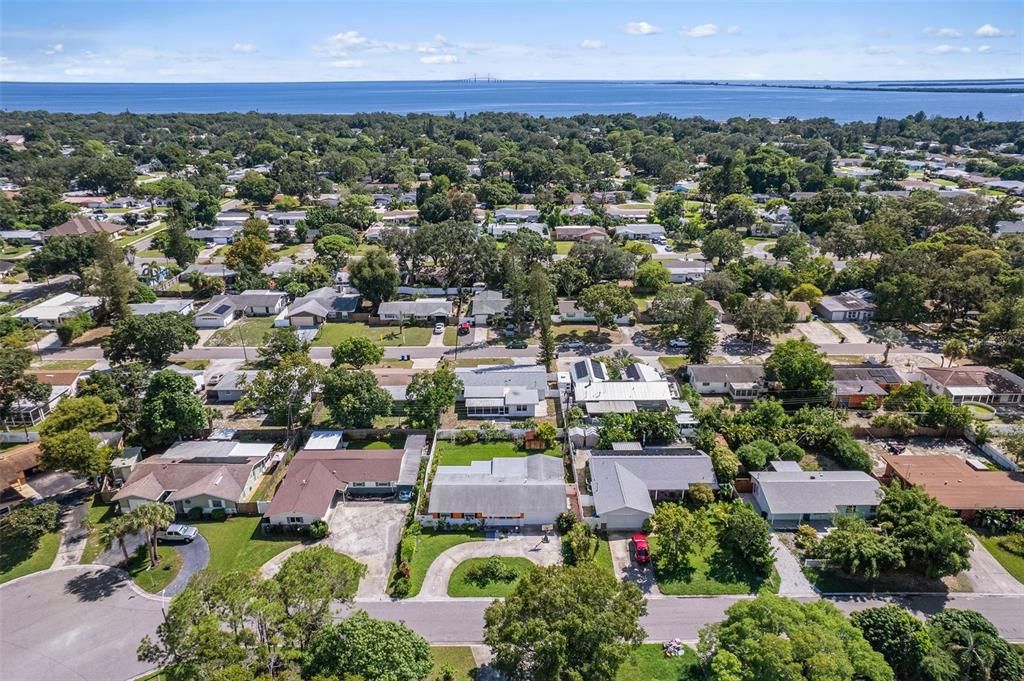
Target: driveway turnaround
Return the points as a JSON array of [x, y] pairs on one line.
[[74, 624], [195, 556], [529, 546]]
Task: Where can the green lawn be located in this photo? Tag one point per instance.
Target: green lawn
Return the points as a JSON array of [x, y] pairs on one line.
[[711, 572], [459, 658], [583, 332], [287, 251], [673, 362], [333, 333], [470, 362], [249, 332], [237, 544], [18, 559], [451, 334], [396, 441], [156, 579], [193, 364], [459, 586], [430, 545], [1013, 563], [453, 454], [98, 514], [603, 557], [65, 364], [563, 247], [649, 663], [833, 581]]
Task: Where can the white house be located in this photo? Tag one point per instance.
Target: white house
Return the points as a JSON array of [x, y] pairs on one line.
[[177, 305], [643, 232], [260, 302], [851, 306], [517, 391], [568, 313], [789, 498], [229, 386], [216, 314], [419, 309], [50, 313], [738, 381]]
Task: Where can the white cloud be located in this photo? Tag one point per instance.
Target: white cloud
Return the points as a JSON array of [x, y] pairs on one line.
[[439, 59], [948, 49], [244, 48], [733, 30], [990, 31], [878, 49], [81, 71], [640, 28], [984, 48], [943, 32], [341, 43], [702, 31], [347, 63], [592, 45], [56, 49]]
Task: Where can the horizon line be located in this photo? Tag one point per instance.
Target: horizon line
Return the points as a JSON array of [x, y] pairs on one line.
[[496, 80]]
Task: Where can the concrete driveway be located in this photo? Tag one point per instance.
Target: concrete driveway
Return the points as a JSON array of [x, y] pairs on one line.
[[626, 569], [818, 333], [369, 531], [78, 623], [988, 576]]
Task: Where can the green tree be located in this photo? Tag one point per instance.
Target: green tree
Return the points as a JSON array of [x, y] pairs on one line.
[[680, 532], [431, 393], [565, 623], [736, 211], [15, 384], [278, 343], [579, 544], [111, 279], [975, 647], [605, 302], [747, 534], [150, 339], [256, 188], [170, 409], [248, 255], [354, 398], [760, 319], [176, 244], [935, 541], [90, 413], [902, 639], [800, 368], [74, 451], [285, 391], [722, 246], [859, 550], [725, 463], [651, 276], [375, 276], [953, 350], [371, 649], [569, 276], [771, 637], [115, 531], [901, 298], [356, 352], [890, 337]]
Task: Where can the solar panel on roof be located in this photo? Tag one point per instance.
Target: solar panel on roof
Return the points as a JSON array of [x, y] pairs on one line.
[[221, 309]]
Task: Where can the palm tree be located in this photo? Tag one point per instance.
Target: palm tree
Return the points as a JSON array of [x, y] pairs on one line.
[[115, 531], [151, 272], [152, 518], [954, 349], [890, 336]]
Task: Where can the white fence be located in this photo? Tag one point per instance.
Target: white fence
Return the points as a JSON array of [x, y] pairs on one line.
[[18, 437]]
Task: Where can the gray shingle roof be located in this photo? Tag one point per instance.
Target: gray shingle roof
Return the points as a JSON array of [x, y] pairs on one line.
[[816, 491], [500, 487]]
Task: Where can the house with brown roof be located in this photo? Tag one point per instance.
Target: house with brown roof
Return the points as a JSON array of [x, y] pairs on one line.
[[15, 464], [966, 486], [318, 478], [28, 413], [580, 233], [853, 383], [83, 226], [974, 384]]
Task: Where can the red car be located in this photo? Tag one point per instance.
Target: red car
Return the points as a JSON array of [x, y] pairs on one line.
[[464, 328], [641, 551]]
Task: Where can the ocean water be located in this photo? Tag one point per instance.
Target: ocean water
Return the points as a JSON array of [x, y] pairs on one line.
[[545, 98]]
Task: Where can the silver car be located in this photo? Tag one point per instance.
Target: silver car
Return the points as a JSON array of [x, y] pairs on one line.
[[176, 532]]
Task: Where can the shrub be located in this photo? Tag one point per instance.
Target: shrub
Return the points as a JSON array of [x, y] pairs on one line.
[[993, 519], [195, 513], [700, 495], [493, 569], [318, 529], [725, 463], [448, 673], [1013, 543], [791, 451], [900, 424], [218, 514], [407, 547], [400, 587], [75, 327], [747, 535], [755, 455], [466, 437], [565, 521], [29, 523]]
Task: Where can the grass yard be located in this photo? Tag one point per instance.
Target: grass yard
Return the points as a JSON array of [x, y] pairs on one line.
[[193, 364], [430, 545], [396, 441], [603, 557], [711, 572], [1013, 562], [649, 663], [153, 581], [453, 454], [582, 332], [287, 251], [65, 364], [458, 658], [98, 514], [18, 559], [237, 544], [833, 581], [249, 332], [563, 247], [333, 333], [470, 362], [460, 586], [394, 364], [451, 335], [672, 362]]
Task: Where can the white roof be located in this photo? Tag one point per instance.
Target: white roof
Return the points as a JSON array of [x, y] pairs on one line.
[[60, 306], [324, 439]]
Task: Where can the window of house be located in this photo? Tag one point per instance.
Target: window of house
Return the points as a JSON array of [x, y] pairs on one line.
[[216, 503], [294, 520], [383, 484], [359, 484]]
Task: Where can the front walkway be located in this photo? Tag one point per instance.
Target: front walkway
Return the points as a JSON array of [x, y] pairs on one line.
[[529, 546], [72, 535], [793, 582], [988, 576]]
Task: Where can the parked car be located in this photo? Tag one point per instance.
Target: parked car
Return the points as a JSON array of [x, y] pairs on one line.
[[439, 328], [176, 532], [718, 325], [464, 329], [573, 344], [517, 345], [679, 343], [639, 548], [405, 495]]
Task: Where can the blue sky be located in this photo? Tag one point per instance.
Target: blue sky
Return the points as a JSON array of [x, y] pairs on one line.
[[295, 40]]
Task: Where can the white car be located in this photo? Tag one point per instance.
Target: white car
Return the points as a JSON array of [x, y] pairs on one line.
[[439, 328], [679, 343], [573, 344], [176, 532]]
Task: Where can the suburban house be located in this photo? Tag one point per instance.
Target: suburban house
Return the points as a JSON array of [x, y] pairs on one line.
[[739, 381], [503, 230], [50, 313], [642, 231], [580, 233], [788, 498], [685, 271], [215, 236], [517, 215], [83, 226], [626, 480], [966, 486], [399, 217], [216, 314], [487, 304], [974, 384], [853, 383], [318, 477], [16, 463], [642, 388], [25, 413], [634, 214], [204, 474], [20, 237], [229, 386], [568, 313], [319, 306], [505, 491], [176, 305], [426, 309], [210, 270], [851, 306], [260, 302], [1003, 228], [503, 390]]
